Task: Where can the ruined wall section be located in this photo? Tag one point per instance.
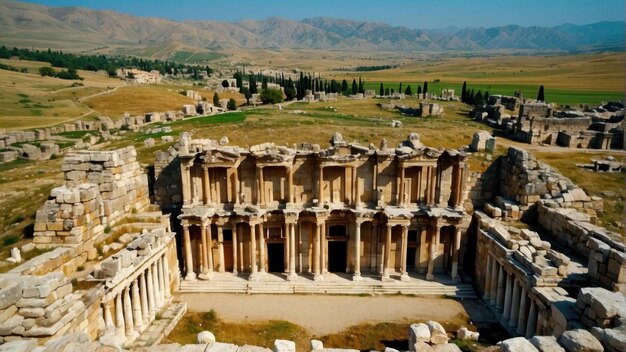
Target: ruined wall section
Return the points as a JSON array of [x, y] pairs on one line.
[[167, 187], [100, 188]]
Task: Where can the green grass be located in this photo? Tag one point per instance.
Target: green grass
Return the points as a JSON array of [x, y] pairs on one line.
[[190, 57], [233, 117], [559, 96], [78, 134]]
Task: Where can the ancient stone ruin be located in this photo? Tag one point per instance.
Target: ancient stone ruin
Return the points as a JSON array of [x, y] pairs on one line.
[[348, 219]]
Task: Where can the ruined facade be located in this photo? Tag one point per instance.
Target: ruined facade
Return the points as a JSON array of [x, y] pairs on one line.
[[309, 211]]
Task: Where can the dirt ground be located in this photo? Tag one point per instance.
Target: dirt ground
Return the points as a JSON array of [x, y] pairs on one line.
[[322, 315]]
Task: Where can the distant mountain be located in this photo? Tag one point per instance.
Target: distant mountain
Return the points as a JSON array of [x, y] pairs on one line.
[[42, 26]]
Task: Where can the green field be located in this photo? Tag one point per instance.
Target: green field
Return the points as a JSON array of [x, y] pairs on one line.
[[559, 96]]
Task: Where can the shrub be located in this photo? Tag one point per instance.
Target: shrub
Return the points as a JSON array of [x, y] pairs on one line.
[[271, 96]]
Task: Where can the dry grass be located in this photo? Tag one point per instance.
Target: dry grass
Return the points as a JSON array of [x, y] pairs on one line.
[[258, 334], [138, 100], [594, 183]]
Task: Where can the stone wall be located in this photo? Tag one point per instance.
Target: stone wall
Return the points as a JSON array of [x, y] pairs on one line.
[[100, 187], [167, 182], [607, 263]]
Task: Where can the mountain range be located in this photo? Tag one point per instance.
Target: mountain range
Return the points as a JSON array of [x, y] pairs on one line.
[[42, 26]]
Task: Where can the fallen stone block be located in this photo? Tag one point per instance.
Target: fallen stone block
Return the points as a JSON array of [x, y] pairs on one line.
[[546, 344], [517, 344], [579, 340], [284, 346], [418, 333], [205, 337]]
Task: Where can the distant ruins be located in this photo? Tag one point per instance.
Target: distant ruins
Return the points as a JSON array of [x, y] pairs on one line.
[[344, 219], [600, 127]]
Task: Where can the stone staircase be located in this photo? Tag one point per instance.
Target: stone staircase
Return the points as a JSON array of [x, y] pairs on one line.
[[414, 287]]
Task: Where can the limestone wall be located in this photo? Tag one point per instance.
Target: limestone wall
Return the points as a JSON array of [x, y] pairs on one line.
[[100, 188], [607, 263]]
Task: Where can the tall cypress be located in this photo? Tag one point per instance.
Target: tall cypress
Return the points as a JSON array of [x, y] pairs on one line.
[[381, 91], [463, 92], [355, 88], [540, 96], [425, 88]]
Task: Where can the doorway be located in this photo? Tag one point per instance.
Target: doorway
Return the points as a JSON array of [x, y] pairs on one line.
[[337, 255], [276, 257]]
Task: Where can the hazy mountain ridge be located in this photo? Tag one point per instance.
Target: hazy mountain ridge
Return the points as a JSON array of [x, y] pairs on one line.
[[24, 20]]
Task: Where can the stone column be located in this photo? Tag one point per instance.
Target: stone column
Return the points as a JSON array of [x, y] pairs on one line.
[[323, 244], [357, 251], [292, 252], [128, 315], [521, 316], [253, 263], [151, 302], [404, 275], [387, 253], [190, 275], [317, 256], [487, 288], [205, 250], [143, 292], [119, 316], [236, 177], [531, 326], [185, 182], [166, 276], [455, 252], [137, 314], [494, 281], [432, 253], [161, 277], [321, 186], [355, 187], [290, 191], [507, 298], [235, 248], [500, 298], [514, 304], [262, 249], [220, 248], [261, 186], [401, 189], [156, 287], [461, 185], [108, 319], [206, 185]]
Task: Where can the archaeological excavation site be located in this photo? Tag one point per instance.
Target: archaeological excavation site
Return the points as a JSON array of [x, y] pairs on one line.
[[120, 244]]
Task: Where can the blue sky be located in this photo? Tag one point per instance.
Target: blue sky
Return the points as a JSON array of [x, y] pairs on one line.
[[423, 14]]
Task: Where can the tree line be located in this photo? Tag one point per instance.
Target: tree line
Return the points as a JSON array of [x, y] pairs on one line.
[[101, 62]]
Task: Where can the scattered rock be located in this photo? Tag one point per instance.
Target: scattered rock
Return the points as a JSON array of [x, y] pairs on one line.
[[464, 334], [517, 344], [205, 337], [421, 347], [579, 340], [418, 333], [546, 344], [316, 345], [284, 346]]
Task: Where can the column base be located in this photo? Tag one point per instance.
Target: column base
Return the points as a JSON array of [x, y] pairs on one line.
[[385, 277], [254, 277], [205, 276], [191, 276], [357, 277], [430, 277], [405, 277], [292, 277], [235, 272], [318, 277]]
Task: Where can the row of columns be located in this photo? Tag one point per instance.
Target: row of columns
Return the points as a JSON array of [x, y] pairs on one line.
[[510, 298], [319, 245], [137, 303], [433, 181]]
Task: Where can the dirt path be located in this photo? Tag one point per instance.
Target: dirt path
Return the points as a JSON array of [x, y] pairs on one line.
[[322, 315]]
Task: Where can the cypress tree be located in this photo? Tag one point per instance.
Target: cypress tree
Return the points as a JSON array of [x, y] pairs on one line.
[[381, 91], [425, 88], [463, 92], [408, 91], [355, 88], [216, 99], [419, 90], [540, 96], [387, 91], [344, 86], [400, 88], [478, 99], [361, 89]]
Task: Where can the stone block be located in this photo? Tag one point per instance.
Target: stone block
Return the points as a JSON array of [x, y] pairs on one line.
[[604, 303], [205, 337], [284, 346], [421, 347], [7, 326], [579, 340], [418, 333], [448, 347], [438, 334], [10, 293], [22, 345], [517, 344], [464, 334], [615, 339], [546, 344], [316, 345]]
